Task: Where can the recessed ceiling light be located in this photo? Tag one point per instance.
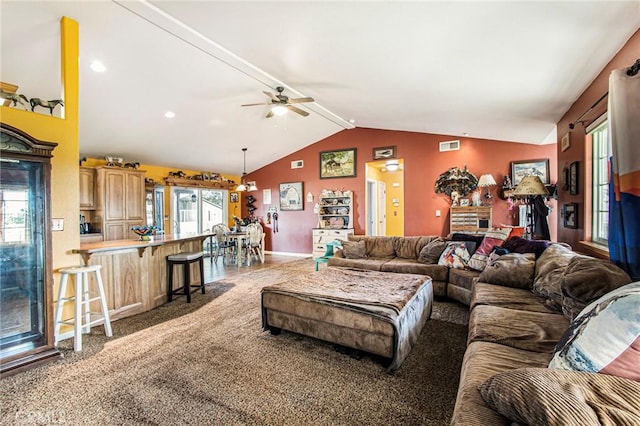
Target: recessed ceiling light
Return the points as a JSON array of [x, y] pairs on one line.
[[465, 134], [169, 114], [98, 66], [352, 121]]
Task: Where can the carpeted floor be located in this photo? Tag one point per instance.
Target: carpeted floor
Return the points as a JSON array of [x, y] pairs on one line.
[[209, 362]]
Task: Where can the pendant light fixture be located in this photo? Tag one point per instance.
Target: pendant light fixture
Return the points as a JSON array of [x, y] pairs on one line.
[[251, 185]]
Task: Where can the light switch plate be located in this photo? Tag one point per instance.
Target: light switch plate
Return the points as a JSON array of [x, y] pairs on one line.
[[437, 213], [57, 224]]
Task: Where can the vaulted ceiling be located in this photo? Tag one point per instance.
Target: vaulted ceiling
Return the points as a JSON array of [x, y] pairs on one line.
[[495, 70]]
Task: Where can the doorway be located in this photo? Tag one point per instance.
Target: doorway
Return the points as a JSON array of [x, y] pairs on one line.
[[196, 210], [384, 195]]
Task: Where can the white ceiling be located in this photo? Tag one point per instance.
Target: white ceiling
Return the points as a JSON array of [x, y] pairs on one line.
[[495, 70]]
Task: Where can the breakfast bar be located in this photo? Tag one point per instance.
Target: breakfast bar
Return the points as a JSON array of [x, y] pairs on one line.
[[134, 272]]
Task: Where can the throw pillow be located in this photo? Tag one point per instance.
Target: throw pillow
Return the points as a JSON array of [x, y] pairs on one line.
[[549, 269], [455, 255], [494, 237], [515, 244], [511, 270], [477, 239], [541, 396], [585, 280], [431, 252], [604, 337], [354, 249]]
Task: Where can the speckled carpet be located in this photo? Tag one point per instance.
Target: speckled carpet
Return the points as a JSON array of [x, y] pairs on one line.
[[209, 362]]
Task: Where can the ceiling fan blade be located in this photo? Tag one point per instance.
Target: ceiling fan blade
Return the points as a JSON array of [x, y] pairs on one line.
[[271, 96], [297, 110], [269, 114], [262, 103], [300, 100]]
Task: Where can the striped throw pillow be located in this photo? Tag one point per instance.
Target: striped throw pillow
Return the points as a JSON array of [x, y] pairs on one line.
[[494, 237], [605, 336]]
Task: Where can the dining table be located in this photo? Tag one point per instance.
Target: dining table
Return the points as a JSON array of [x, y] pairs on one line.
[[236, 237]]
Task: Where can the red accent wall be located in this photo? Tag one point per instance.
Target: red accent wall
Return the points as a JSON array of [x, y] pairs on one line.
[[423, 163], [626, 57]]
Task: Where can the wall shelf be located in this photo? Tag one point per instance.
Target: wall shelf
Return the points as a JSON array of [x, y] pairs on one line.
[[212, 184]]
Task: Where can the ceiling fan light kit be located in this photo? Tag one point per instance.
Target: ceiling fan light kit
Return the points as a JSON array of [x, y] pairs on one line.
[[280, 103]]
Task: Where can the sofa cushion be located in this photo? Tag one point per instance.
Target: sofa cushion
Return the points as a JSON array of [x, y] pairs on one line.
[[405, 247], [530, 331], [587, 279], [550, 267], [455, 255], [380, 247], [370, 264], [431, 252], [511, 270], [494, 237], [481, 361], [464, 278], [516, 244], [412, 266], [537, 396], [354, 249], [507, 297], [605, 336]]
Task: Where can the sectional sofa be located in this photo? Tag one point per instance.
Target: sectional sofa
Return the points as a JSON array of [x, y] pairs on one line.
[[521, 306]]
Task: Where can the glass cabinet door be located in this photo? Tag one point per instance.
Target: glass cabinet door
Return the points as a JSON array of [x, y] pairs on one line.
[[22, 254]]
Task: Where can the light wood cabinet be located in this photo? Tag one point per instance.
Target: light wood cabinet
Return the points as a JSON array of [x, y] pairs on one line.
[[470, 219], [87, 188], [120, 202]]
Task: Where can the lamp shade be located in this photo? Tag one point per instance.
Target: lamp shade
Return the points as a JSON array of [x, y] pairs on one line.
[[486, 180], [252, 186], [531, 185]]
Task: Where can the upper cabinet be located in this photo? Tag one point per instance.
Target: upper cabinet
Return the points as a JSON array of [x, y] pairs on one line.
[[87, 188], [120, 201]]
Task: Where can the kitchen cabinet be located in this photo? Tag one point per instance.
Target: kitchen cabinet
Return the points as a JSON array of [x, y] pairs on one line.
[[87, 188], [120, 201]]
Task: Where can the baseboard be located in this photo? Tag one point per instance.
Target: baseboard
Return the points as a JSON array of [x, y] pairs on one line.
[[284, 253]]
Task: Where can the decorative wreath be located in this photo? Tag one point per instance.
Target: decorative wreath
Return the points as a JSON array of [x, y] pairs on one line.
[[455, 179]]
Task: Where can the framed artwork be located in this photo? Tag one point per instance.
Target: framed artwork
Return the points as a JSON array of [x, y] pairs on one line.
[[570, 215], [384, 152], [291, 196], [234, 197], [573, 178], [338, 164], [520, 169], [565, 142]]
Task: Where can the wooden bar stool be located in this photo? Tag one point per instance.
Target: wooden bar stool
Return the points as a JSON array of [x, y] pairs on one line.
[[184, 259], [81, 299]]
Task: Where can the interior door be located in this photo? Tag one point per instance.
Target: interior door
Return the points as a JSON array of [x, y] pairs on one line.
[[382, 208], [372, 211]]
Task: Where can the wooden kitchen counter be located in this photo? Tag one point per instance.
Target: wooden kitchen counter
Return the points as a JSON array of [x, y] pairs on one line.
[[134, 272]]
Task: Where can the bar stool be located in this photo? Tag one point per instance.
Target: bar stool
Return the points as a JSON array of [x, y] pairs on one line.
[[81, 300], [184, 259]]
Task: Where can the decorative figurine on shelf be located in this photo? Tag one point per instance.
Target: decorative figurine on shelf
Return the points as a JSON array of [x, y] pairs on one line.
[[46, 104], [132, 165], [15, 98]]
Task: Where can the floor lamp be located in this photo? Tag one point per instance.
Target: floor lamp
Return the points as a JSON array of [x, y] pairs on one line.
[[529, 188]]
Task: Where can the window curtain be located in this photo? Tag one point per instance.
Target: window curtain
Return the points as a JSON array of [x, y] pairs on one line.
[[624, 186]]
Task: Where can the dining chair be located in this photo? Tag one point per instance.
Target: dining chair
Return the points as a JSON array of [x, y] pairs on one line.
[[221, 243], [254, 243]]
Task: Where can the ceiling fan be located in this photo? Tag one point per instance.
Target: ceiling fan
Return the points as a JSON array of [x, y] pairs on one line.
[[281, 103]]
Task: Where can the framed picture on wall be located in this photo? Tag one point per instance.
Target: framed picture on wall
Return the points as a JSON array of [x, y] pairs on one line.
[[338, 164], [234, 197], [565, 142], [291, 196], [520, 169], [384, 152], [570, 215], [573, 178]]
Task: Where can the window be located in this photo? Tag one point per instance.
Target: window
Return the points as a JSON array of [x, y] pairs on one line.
[[600, 179]]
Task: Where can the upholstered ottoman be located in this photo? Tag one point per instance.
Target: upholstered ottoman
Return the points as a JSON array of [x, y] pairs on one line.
[[377, 312]]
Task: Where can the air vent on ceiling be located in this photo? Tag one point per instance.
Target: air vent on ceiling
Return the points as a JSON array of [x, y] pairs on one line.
[[298, 164], [449, 146]]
